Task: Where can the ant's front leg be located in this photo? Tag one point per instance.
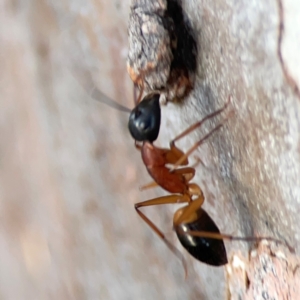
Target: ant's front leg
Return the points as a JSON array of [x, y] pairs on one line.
[[199, 123], [185, 156], [193, 221]]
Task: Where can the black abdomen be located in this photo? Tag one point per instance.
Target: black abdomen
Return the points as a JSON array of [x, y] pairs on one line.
[[207, 250]]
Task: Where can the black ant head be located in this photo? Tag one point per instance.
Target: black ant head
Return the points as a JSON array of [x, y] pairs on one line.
[[144, 119]]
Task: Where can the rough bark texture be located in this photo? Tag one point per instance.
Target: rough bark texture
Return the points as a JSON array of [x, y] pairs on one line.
[[69, 172], [162, 48]]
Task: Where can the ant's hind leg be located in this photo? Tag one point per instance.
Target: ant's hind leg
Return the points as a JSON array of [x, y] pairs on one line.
[[188, 214], [172, 199], [221, 236]]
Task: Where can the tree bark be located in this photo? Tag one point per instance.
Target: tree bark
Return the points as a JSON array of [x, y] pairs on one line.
[[70, 173]]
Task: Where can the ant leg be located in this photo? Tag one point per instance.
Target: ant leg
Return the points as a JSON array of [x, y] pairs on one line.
[[187, 214], [194, 147], [221, 236], [185, 156], [199, 123], [149, 185], [173, 155], [172, 199], [188, 174]]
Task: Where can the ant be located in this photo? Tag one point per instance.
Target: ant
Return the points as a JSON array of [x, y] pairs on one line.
[[195, 229]]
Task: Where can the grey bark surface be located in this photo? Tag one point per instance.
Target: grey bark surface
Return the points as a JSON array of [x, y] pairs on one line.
[[70, 175], [161, 48]]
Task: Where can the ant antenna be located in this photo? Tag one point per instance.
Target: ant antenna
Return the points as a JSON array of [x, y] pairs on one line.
[[90, 88], [97, 95]]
